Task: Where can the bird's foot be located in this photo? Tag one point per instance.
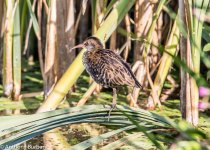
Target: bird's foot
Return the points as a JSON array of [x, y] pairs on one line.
[[113, 106]]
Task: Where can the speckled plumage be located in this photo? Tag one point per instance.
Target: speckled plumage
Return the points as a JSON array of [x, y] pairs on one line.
[[106, 67]]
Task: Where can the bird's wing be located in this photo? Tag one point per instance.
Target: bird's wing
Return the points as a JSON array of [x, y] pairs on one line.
[[116, 71]]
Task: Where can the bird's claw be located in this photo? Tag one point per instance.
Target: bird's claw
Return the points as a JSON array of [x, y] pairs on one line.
[[113, 106]]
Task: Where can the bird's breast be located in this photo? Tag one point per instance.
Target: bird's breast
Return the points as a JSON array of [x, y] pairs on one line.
[[94, 66], [90, 59]]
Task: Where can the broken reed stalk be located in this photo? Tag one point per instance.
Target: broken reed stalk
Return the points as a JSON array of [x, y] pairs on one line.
[[190, 49], [7, 50], [148, 46], [166, 61]]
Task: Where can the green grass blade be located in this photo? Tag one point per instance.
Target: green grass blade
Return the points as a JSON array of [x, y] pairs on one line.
[[90, 142], [150, 136], [143, 141], [122, 141], [34, 20]]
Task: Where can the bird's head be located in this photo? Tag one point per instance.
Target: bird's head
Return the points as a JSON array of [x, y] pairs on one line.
[[91, 43]]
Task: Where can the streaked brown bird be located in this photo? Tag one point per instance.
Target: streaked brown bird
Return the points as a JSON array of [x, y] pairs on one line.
[[106, 67]]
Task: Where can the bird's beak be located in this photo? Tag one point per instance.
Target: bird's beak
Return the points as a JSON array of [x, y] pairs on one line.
[[77, 46]]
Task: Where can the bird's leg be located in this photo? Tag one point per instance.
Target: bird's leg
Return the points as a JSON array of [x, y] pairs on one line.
[[114, 101]]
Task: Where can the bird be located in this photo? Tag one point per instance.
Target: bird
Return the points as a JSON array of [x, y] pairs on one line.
[[106, 67]]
